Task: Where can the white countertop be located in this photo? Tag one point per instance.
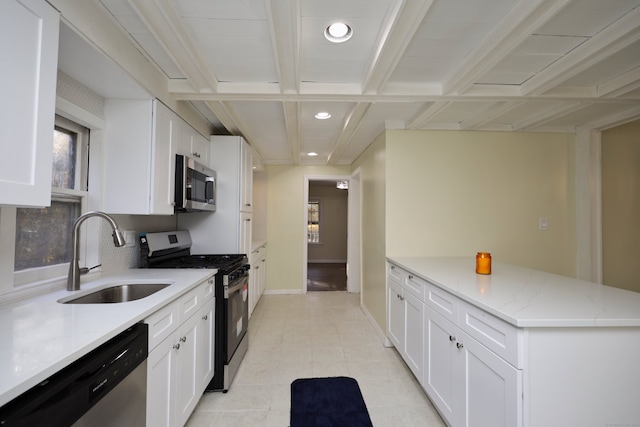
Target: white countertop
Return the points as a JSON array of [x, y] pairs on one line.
[[529, 298], [40, 336]]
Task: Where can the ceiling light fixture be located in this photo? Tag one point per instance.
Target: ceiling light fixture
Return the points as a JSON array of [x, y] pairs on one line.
[[312, 154], [322, 115], [338, 32]]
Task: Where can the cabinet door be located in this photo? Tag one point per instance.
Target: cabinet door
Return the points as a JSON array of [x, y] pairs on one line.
[[440, 351], [245, 233], [29, 30], [491, 390], [205, 344], [395, 310], [414, 337], [246, 177], [163, 165], [199, 148], [186, 381], [160, 366]]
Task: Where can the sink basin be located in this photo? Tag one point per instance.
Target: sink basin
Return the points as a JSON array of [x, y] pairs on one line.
[[117, 293]]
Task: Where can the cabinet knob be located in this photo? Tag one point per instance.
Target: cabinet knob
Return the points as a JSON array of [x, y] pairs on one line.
[[210, 281], [459, 345], [452, 338], [393, 267], [183, 339], [205, 317], [177, 346], [411, 277]]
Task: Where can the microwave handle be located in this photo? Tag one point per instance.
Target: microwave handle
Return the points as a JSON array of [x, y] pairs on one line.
[[183, 184], [210, 188]]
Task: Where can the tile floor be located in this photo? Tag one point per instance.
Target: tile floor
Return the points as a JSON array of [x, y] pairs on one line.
[[319, 334]]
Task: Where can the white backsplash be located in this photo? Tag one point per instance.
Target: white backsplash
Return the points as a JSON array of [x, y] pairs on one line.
[[115, 259]]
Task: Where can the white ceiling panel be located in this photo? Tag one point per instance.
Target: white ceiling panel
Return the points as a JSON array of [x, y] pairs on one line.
[[262, 68]]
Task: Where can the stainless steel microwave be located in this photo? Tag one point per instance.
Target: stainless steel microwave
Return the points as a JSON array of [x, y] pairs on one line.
[[195, 186]]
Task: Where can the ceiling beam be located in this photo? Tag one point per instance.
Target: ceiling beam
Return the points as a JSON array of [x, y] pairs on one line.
[[291, 112], [520, 23], [399, 29], [547, 114], [284, 24], [621, 85], [350, 125], [165, 24], [487, 115], [598, 48]]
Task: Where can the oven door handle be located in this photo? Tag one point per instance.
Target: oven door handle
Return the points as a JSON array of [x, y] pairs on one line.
[[229, 290]]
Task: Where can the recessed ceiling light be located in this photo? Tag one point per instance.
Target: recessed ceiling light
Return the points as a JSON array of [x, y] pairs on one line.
[[312, 154], [322, 115], [338, 32]]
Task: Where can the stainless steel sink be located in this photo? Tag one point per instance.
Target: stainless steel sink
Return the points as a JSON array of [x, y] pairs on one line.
[[117, 293]]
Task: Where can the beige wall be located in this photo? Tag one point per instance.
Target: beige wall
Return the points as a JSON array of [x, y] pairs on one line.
[[333, 219], [440, 193], [621, 206], [457, 193], [372, 166], [286, 233]]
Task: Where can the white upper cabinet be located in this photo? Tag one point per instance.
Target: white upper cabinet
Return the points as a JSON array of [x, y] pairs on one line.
[[139, 157], [29, 30]]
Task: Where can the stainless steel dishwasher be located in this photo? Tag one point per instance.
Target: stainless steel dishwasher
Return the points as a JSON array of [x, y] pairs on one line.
[[107, 387]]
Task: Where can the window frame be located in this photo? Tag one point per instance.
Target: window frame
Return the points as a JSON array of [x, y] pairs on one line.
[[317, 200], [32, 277]]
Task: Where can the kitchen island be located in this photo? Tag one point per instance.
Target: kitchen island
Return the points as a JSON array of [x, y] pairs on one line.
[[40, 336], [519, 347]]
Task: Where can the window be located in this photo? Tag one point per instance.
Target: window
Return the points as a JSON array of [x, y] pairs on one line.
[[43, 235], [313, 221]]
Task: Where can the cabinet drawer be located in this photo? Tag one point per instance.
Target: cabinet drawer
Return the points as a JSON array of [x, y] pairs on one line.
[[191, 302], [396, 273], [415, 286], [496, 334], [162, 323], [208, 289], [442, 302]]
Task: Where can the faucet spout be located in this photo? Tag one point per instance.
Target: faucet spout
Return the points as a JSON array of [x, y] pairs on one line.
[[73, 279]]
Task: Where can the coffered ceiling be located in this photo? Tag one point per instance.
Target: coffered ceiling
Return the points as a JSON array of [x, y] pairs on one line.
[[263, 68]]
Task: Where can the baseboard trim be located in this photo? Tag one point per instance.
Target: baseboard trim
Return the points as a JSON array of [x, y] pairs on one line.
[[381, 334], [283, 292]]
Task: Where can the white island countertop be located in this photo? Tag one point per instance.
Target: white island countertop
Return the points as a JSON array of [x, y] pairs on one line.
[[40, 336], [528, 298]]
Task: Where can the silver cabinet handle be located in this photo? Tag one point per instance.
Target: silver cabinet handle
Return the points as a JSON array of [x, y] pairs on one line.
[[183, 339], [459, 345], [205, 317], [177, 346], [452, 338], [411, 277]]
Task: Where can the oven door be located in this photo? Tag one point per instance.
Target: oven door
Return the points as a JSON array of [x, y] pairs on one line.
[[237, 314]]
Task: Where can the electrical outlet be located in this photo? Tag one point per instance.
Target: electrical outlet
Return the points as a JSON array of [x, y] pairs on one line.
[[542, 224]]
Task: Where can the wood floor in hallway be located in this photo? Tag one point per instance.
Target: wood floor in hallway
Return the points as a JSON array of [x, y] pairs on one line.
[[326, 276]]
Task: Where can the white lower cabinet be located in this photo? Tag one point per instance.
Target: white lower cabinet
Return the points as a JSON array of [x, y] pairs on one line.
[[180, 366], [258, 276], [468, 383], [405, 322], [472, 381]]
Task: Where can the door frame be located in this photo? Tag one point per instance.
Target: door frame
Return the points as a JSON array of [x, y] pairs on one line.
[[353, 229]]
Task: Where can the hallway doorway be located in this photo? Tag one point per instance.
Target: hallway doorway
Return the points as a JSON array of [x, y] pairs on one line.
[[328, 251]]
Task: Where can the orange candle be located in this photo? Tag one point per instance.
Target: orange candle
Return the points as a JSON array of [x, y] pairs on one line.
[[483, 263]]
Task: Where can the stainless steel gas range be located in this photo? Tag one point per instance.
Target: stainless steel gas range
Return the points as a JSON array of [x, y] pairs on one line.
[[172, 249]]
